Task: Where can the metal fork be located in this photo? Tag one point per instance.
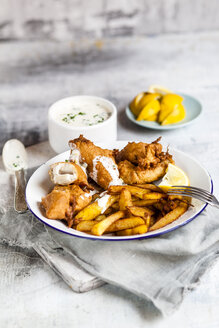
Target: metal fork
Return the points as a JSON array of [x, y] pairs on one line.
[[198, 193]]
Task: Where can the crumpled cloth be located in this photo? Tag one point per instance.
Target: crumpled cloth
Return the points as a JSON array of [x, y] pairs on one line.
[[161, 270]]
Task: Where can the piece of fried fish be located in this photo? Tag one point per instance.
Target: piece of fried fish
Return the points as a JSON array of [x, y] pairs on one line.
[[142, 162], [101, 164]]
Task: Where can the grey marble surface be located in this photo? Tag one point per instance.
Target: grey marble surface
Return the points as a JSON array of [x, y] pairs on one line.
[[74, 19], [35, 74]]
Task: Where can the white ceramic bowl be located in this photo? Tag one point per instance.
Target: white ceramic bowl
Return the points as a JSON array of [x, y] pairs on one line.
[[60, 132]]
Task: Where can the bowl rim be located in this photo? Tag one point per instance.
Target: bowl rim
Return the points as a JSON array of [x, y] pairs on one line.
[[108, 103]]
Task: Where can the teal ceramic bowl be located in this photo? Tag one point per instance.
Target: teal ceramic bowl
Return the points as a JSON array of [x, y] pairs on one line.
[[193, 111]]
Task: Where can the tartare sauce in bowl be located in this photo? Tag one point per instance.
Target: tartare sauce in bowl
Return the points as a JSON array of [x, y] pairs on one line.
[[94, 117], [84, 114]]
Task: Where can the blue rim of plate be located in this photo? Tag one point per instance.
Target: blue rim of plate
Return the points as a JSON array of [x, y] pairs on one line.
[[157, 126], [138, 237]]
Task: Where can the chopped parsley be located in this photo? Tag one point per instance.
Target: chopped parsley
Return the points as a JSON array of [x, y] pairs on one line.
[[88, 120], [15, 164]]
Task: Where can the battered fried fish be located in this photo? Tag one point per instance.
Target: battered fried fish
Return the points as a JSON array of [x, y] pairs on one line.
[[65, 201], [142, 154], [56, 204], [132, 174], [142, 162], [101, 165], [78, 198], [64, 173]]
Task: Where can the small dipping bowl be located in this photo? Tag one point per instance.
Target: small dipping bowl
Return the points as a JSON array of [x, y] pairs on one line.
[[60, 131]]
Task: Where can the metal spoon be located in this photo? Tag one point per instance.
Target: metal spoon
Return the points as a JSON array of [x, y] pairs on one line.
[[14, 158]]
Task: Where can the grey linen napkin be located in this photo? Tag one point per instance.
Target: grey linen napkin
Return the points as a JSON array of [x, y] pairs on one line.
[[161, 270], [26, 231]]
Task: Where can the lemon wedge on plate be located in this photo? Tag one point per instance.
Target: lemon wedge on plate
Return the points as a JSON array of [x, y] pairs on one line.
[[174, 177], [148, 110], [176, 116], [134, 105], [159, 89]]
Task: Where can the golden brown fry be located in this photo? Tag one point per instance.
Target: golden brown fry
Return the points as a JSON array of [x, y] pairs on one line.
[[154, 195], [140, 211], [170, 217], [150, 186], [134, 231], [126, 223], [144, 202], [88, 213], [100, 217], [109, 211], [99, 228], [148, 221], [115, 206], [125, 199], [135, 191], [93, 210], [85, 225]]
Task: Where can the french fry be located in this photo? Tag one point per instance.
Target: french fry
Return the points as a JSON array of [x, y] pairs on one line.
[[93, 210], [100, 217], [125, 199], [169, 217], [100, 227], [144, 202], [150, 186], [108, 211], [154, 195], [148, 221], [115, 206], [85, 225], [134, 231], [135, 191], [126, 223], [140, 211]]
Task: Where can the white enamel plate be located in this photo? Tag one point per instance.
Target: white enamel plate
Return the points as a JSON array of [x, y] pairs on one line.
[[39, 185]]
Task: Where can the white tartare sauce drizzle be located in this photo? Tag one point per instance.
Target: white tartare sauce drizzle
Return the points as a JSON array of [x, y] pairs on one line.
[[88, 194], [83, 114], [75, 156], [102, 202], [110, 166]]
